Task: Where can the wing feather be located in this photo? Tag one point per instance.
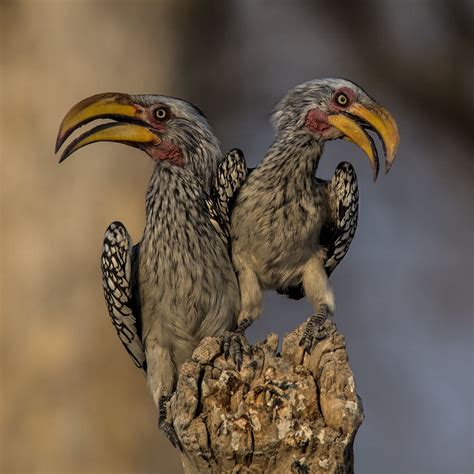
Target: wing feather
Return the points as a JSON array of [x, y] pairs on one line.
[[119, 262], [231, 174], [343, 199]]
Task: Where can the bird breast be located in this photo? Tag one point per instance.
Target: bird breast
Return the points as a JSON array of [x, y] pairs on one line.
[[276, 233], [186, 275]]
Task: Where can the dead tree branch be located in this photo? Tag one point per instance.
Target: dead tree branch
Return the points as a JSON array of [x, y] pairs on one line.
[[280, 413]]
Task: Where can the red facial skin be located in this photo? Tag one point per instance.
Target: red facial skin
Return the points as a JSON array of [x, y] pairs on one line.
[[316, 119], [166, 150]]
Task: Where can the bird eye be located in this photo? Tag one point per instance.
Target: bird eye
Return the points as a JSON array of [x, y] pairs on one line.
[[341, 99], [161, 113]]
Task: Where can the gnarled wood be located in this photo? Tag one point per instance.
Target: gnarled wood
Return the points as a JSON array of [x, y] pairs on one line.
[[281, 413]]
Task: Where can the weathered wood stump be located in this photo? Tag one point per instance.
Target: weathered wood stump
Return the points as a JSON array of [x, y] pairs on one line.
[[281, 413]]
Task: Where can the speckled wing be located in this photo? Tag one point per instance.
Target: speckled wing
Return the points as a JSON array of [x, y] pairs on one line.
[[119, 275], [337, 233], [343, 199], [231, 174]]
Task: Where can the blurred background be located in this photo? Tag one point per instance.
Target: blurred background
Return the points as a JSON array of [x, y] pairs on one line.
[[71, 399]]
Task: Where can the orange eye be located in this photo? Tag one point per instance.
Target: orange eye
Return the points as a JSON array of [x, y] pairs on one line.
[[342, 99]]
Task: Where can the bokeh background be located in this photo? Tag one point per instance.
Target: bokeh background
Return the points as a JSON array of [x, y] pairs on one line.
[[71, 399]]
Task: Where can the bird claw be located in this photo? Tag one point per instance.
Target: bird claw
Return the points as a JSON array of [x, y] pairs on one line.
[[234, 344], [167, 428], [314, 331]]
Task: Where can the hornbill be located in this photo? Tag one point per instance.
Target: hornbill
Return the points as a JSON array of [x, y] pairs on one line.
[[177, 285], [289, 229]]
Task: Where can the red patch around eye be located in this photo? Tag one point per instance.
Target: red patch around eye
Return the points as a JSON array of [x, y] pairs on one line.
[[349, 94], [316, 121]]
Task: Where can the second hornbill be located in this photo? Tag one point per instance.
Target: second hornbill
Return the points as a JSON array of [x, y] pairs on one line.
[[177, 285], [289, 229]]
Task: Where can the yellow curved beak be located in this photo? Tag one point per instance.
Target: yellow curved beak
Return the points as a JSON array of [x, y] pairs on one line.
[[356, 134], [115, 106], [380, 120]]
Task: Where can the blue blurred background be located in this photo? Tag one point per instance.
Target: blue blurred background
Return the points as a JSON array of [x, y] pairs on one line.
[[72, 401]]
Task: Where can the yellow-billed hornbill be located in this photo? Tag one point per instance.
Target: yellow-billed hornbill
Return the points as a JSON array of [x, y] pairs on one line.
[[289, 229], [177, 285]]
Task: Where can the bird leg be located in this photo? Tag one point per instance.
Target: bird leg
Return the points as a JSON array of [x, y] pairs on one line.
[[235, 344], [314, 329], [160, 378], [243, 325], [251, 297], [319, 293], [167, 428]]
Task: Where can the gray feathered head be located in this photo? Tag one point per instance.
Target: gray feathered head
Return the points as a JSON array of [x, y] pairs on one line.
[[337, 108], [169, 130]]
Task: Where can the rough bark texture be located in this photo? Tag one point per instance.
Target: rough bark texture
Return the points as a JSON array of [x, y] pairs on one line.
[[281, 413]]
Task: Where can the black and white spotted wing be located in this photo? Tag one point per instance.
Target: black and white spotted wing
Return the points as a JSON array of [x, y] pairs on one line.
[[119, 263], [231, 174], [343, 198]]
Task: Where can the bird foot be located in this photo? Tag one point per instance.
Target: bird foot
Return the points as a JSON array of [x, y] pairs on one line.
[[167, 428], [235, 344], [243, 325], [314, 330]]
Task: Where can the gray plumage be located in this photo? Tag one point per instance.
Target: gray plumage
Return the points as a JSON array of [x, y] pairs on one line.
[[185, 287], [181, 270], [177, 285], [276, 225], [289, 229], [342, 196], [188, 288]]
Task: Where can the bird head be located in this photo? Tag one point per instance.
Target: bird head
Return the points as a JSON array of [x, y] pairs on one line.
[[169, 130], [337, 108]]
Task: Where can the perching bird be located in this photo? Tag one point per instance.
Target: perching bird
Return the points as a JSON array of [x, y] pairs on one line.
[[177, 285], [289, 229]]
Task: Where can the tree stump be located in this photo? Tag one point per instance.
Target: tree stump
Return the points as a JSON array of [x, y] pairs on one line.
[[281, 413]]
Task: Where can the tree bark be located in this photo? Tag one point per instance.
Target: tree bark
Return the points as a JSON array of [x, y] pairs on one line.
[[281, 413]]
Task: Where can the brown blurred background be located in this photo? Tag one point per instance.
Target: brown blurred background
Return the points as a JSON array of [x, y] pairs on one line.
[[71, 399]]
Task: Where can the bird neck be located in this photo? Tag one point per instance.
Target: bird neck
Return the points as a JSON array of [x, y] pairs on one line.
[[172, 191], [201, 151], [293, 157]]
